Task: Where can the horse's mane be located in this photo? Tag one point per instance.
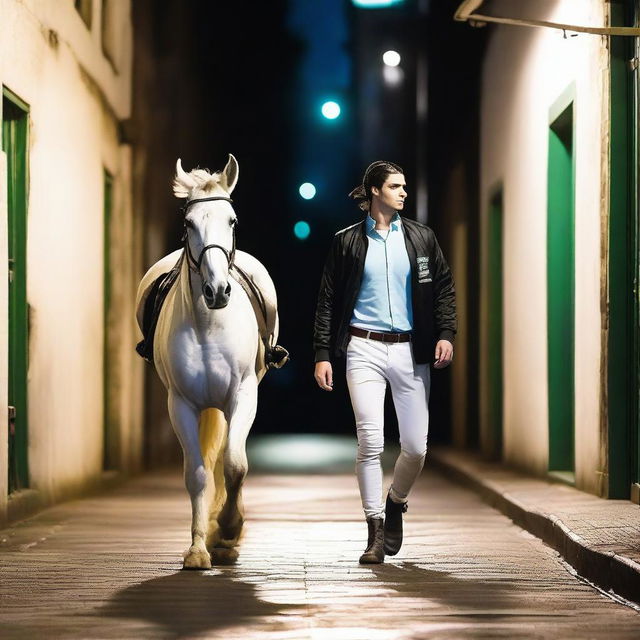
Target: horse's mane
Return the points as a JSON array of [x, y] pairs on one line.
[[200, 180]]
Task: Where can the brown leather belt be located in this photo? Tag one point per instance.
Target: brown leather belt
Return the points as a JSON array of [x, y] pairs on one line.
[[377, 335]]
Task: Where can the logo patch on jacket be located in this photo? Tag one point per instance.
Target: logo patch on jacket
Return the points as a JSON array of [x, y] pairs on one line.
[[424, 275]]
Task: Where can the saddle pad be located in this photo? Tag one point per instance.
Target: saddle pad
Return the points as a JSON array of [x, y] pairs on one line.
[[158, 294], [152, 306]]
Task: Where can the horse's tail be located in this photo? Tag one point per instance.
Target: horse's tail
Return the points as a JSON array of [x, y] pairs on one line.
[[213, 439]]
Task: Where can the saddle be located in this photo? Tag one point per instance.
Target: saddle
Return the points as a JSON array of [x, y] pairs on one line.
[[275, 356]]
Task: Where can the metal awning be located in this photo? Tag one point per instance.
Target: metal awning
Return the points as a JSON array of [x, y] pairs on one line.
[[466, 12]]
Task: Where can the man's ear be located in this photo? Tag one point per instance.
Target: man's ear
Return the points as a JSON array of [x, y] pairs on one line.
[[375, 191]]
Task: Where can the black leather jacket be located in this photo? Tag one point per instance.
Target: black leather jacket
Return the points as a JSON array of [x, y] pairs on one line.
[[432, 291]]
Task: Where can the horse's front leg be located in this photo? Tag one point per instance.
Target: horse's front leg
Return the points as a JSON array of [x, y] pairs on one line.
[[240, 419], [198, 479]]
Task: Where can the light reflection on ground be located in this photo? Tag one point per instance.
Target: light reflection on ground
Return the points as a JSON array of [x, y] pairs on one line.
[[307, 453]]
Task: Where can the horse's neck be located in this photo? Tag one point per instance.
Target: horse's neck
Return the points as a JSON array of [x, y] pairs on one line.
[[191, 301], [188, 289]]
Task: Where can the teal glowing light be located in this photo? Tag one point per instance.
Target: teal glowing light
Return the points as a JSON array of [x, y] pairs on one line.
[[375, 4], [301, 230], [307, 190], [330, 110]]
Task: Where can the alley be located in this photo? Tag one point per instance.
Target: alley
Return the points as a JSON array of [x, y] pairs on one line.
[[453, 185], [110, 567]]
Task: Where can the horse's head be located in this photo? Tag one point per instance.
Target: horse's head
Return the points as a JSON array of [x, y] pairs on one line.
[[209, 221]]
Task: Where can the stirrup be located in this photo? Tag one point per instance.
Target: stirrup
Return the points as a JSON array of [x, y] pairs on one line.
[[276, 357]]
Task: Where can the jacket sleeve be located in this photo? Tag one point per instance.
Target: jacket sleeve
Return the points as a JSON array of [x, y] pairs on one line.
[[325, 306], [444, 298]]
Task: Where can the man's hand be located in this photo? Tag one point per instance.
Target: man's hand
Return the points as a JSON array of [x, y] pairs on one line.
[[444, 354], [324, 375]]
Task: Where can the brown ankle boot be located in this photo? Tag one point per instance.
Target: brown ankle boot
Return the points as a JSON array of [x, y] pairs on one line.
[[374, 553], [393, 526]]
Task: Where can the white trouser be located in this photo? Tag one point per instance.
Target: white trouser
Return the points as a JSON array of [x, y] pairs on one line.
[[370, 365]]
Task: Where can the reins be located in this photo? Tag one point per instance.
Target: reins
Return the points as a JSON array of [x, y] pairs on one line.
[[245, 280]]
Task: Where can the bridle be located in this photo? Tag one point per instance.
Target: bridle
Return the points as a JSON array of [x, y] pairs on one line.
[[194, 265]]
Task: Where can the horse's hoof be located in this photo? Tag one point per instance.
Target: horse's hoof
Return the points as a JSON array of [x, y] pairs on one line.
[[229, 533], [227, 543], [197, 559], [222, 555]]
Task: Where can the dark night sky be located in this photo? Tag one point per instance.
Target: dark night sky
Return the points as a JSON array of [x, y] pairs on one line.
[[265, 70], [265, 103]]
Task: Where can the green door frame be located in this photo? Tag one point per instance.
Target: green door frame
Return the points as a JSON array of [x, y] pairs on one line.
[[111, 441], [15, 136], [635, 249], [561, 286], [495, 322], [622, 346]]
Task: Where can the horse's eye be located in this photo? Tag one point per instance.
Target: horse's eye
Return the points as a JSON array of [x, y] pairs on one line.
[[233, 222], [188, 223]]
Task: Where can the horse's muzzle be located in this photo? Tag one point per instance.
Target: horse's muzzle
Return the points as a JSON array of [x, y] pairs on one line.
[[216, 299]]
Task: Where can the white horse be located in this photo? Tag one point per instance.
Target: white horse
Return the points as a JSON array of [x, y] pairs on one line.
[[210, 356]]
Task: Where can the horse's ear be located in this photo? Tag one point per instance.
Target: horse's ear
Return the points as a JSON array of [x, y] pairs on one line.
[[183, 182], [229, 175]]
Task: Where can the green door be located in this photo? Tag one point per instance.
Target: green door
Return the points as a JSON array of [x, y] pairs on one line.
[[495, 323], [15, 122], [560, 293], [110, 422]]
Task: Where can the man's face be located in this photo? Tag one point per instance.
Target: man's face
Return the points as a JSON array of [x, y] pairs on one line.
[[392, 194]]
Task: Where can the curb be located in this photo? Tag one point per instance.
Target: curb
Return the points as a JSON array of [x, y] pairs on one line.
[[607, 570]]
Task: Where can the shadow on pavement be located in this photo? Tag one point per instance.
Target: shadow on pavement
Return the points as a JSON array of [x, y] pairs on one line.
[[413, 581], [189, 603], [193, 602]]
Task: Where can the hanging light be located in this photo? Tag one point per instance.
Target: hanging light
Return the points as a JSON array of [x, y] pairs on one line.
[[391, 58], [307, 190]]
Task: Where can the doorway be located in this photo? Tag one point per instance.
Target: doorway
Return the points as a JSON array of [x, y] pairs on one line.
[[560, 288], [495, 323], [15, 132], [111, 433]]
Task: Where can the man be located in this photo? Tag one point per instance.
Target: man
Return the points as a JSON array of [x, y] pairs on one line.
[[387, 302]]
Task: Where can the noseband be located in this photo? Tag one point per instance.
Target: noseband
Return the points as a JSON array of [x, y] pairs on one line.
[[194, 265]]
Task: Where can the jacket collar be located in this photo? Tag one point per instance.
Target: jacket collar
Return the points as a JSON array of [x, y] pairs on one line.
[[370, 223]]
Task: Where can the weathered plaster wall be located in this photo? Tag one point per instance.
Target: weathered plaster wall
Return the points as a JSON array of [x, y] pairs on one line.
[[77, 100], [525, 71]]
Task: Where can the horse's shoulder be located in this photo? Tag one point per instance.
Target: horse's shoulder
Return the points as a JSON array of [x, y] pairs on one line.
[[164, 265], [248, 262], [253, 268]]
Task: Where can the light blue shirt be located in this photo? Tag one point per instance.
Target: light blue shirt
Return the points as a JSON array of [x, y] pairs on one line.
[[384, 299]]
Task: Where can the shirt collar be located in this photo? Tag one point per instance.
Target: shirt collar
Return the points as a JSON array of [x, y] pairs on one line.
[[395, 222]]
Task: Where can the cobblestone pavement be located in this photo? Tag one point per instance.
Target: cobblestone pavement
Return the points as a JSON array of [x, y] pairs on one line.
[[110, 567]]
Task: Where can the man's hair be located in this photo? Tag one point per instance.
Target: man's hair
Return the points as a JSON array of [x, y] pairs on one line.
[[375, 175]]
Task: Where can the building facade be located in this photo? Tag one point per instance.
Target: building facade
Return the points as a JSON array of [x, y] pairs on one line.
[[557, 302], [70, 383]]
